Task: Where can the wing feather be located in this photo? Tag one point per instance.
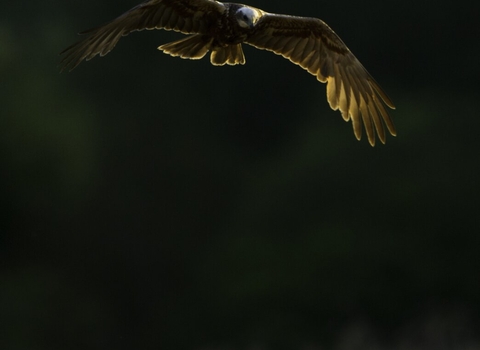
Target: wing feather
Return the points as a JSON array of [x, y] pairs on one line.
[[350, 88], [186, 16], [309, 53], [290, 44], [376, 119], [299, 53], [354, 88]]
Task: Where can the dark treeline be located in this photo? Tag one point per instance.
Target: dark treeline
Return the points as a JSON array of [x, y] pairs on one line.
[[151, 202]]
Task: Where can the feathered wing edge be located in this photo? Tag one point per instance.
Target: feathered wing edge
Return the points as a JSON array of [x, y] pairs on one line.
[[311, 44], [186, 16]]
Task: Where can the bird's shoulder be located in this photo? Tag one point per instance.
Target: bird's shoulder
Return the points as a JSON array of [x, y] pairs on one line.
[[301, 27]]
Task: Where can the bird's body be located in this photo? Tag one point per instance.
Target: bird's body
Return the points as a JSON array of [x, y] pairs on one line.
[[222, 28]]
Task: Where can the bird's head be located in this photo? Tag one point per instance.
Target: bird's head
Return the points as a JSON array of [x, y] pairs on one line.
[[247, 17]]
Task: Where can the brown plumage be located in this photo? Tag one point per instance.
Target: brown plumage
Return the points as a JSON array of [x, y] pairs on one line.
[[222, 27]]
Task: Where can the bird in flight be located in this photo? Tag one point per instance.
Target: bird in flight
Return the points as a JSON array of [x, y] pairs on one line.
[[222, 28]]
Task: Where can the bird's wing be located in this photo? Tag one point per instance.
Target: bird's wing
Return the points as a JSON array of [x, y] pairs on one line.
[[186, 16], [310, 43]]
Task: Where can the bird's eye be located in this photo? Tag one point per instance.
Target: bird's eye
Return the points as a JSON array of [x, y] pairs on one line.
[[245, 17]]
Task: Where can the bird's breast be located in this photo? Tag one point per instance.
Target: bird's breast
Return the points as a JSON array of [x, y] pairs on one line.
[[226, 31]]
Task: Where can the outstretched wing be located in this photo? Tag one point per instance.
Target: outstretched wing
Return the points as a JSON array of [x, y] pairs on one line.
[[186, 16], [310, 43]]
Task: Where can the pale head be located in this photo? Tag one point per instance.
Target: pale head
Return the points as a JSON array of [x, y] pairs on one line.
[[247, 17]]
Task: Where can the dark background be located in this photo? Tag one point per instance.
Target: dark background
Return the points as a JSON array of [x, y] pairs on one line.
[[151, 202]]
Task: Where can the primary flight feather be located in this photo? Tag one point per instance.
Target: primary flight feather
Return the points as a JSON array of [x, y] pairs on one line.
[[222, 28]]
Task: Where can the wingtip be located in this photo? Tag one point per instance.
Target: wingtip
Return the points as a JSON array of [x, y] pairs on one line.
[[371, 141]]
